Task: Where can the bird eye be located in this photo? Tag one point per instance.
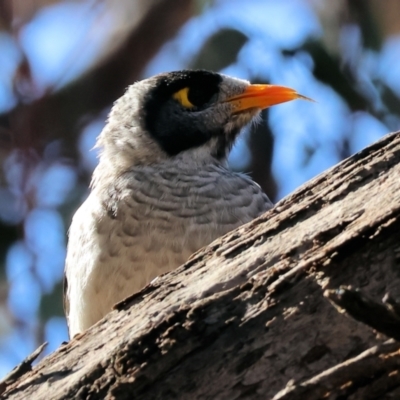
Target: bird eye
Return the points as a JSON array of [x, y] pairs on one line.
[[195, 96], [182, 97], [200, 94]]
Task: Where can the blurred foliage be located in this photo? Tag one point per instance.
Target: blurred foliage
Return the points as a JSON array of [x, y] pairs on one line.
[[328, 69], [220, 50], [47, 129]]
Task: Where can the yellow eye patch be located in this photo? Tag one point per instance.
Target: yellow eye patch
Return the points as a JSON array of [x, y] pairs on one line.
[[182, 97]]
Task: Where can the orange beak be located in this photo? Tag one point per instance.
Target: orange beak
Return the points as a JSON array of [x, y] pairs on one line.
[[263, 96]]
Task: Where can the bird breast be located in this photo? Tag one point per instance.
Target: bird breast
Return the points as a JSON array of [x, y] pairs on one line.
[[148, 222]]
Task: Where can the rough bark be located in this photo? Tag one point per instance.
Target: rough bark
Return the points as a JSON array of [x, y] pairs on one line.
[[246, 317]]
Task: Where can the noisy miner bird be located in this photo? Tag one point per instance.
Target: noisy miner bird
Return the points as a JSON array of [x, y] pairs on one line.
[[162, 189]]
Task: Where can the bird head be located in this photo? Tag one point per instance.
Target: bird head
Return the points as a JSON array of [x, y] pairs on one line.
[[183, 111]]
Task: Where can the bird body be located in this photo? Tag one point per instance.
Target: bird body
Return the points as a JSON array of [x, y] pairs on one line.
[[150, 221], [162, 189]]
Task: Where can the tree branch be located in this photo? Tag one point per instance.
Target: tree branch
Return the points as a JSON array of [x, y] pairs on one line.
[[246, 317]]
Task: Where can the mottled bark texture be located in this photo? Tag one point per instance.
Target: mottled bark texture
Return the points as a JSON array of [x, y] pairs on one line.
[[251, 315]]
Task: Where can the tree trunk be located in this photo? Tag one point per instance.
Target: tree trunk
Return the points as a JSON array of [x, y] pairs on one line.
[[250, 316]]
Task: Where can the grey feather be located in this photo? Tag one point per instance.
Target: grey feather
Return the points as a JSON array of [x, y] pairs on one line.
[[148, 212]]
